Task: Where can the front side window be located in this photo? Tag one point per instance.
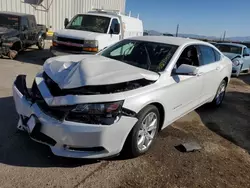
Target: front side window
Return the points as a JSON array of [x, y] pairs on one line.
[[226, 48], [208, 55], [245, 52], [113, 25], [92, 23], [9, 21], [147, 55], [189, 56]]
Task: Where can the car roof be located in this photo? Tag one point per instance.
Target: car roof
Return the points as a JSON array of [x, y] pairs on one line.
[[179, 41], [15, 13], [233, 44]]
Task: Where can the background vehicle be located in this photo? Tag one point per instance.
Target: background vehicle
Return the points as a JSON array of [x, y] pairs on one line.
[[18, 32], [93, 106], [91, 32], [239, 54]]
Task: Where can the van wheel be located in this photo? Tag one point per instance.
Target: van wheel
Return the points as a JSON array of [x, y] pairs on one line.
[[41, 43], [143, 134], [220, 94]]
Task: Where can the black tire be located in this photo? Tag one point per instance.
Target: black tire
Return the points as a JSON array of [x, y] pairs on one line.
[[130, 149], [41, 43], [217, 102]]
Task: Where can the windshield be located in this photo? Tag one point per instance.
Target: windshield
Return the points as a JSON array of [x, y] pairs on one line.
[[98, 24], [147, 55], [9, 21], [225, 48]]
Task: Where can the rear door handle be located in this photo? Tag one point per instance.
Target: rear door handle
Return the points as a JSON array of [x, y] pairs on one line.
[[217, 68], [199, 73]]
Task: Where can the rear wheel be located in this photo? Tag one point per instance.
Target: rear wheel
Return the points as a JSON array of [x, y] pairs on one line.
[[220, 94], [144, 132]]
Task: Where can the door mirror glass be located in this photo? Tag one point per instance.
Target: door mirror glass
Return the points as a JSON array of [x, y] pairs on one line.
[[66, 22], [185, 69]]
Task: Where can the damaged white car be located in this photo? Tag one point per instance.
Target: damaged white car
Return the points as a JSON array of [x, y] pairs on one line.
[[95, 106]]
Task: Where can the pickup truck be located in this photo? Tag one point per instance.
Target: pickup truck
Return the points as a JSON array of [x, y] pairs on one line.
[[19, 31]]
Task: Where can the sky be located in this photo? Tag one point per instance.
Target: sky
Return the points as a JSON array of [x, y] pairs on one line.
[[203, 17]]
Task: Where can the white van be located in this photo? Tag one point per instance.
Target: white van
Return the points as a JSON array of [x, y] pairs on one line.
[[92, 32]]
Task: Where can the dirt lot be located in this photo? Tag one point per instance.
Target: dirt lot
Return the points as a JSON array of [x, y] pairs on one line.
[[223, 161]]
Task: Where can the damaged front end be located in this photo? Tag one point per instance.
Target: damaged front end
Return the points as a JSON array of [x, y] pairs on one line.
[[6, 48], [95, 89], [100, 113]]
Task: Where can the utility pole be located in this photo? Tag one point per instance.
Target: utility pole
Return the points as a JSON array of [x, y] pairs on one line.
[[177, 30], [224, 36]]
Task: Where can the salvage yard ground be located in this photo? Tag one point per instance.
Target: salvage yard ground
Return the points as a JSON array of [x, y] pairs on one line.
[[223, 161]]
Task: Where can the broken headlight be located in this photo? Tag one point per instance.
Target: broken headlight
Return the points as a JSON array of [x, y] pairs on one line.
[[96, 113]]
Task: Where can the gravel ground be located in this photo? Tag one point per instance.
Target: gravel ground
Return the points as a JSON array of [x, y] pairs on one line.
[[223, 161]]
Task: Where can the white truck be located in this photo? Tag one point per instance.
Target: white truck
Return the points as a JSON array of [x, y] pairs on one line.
[[93, 31]]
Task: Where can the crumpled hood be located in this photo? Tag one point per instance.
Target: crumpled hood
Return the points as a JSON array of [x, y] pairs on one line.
[[232, 55], [78, 34], [75, 71], [7, 32]]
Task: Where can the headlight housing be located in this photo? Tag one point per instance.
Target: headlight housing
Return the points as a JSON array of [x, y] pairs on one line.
[[236, 62], [96, 113], [91, 43]]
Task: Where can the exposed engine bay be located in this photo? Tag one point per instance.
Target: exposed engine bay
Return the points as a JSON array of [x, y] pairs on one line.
[[95, 90]]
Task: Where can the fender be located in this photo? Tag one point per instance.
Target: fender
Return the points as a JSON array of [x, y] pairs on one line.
[[11, 41]]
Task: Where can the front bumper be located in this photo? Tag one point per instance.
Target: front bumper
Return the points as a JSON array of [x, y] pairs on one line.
[[70, 139], [55, 51]]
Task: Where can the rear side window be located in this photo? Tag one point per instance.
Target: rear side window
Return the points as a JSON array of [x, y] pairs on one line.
[[217, 55], [208, 55]]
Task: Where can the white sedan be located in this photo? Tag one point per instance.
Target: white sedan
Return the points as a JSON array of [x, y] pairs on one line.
[[95, 106]]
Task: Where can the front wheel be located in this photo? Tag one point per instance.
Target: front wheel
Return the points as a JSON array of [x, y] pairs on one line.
[[144, 132], [220, 94], [41, 43]]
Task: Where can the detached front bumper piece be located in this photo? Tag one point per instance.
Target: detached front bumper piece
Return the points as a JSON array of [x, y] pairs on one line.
[[65, 138]]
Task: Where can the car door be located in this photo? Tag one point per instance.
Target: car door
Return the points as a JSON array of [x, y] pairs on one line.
[[246, 59], [33, 30], [209, 71], [25, 31], [114, 31], [184, 92]]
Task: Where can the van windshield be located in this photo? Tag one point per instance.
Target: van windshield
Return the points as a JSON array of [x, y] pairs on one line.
[[92, 23], [147, 55], [9, 21]]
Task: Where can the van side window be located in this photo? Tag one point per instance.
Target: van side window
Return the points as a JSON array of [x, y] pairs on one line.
[[112, 26]]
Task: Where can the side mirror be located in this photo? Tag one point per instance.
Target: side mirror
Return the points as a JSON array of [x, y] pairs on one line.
[[244, 55], [66, 22], [117, 29], [185, 69]]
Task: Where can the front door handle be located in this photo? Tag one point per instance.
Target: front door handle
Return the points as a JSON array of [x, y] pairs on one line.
[[199, 74], [217, 68]]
